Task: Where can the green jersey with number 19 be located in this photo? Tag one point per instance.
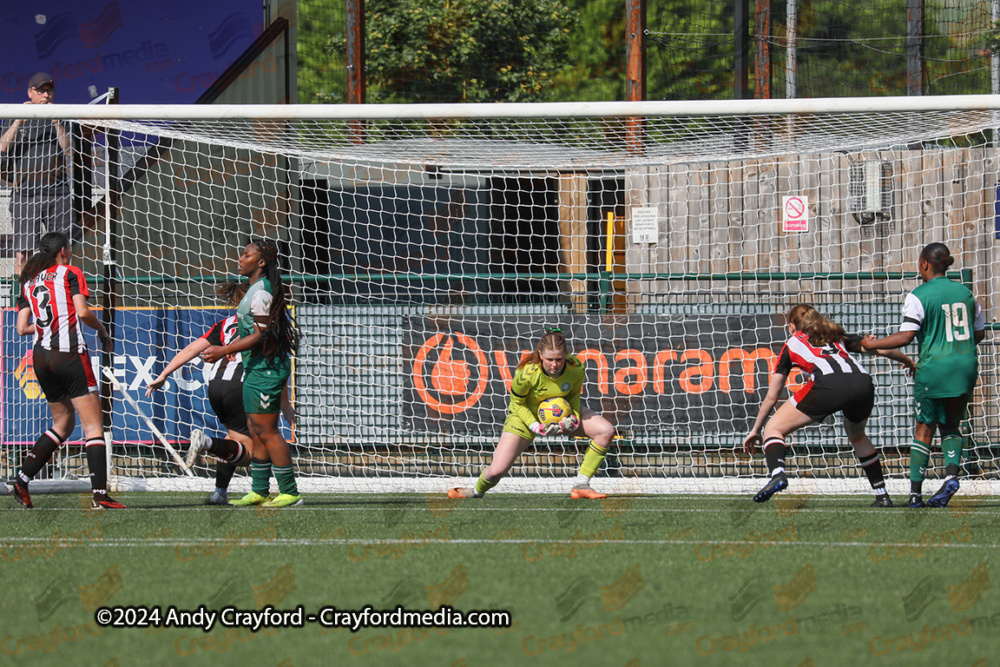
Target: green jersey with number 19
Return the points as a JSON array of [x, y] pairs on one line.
[[945, 316]]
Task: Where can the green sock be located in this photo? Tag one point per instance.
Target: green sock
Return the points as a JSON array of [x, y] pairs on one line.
[[286, 480], [951, 446], [482, 485], [920, 454], [592, 460], [260, 477]]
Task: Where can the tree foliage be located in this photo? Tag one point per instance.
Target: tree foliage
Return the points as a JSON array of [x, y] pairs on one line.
[[465, 50], [574, 50], [322, 76]]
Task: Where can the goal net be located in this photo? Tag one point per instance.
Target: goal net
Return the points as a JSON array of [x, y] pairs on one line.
[[429, 247]]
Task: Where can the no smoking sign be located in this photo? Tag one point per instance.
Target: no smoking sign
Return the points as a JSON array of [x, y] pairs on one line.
[[795, 214]]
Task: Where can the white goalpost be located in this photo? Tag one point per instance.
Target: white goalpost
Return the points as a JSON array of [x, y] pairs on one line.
[[428, 246]]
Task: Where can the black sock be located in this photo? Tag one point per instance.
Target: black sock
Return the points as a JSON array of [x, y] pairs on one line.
[[224, 474], [774, 455], [951, 470], [872, 465], [916, 486], [97, 461], [39, 455], [221, 448]]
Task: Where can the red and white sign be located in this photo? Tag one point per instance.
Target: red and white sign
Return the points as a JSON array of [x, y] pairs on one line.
[[795, 214]]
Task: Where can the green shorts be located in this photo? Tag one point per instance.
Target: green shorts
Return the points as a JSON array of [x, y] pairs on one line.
[[952, 410], [515, 425], [262, 391]]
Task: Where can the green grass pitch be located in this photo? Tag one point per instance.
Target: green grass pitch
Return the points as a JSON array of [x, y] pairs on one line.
[[631, 580]]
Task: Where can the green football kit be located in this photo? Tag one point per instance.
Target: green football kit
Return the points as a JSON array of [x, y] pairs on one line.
[[264, 378], [945, 317]]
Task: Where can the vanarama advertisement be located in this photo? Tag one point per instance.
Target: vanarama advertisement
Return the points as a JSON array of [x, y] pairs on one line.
[[655, 373]]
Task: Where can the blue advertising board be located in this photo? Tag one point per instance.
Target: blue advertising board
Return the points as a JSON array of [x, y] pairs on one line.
[[153, 337], [155, 52]]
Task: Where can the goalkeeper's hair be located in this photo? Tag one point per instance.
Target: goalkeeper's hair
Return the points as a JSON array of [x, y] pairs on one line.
[[821, 330], [550, 340]]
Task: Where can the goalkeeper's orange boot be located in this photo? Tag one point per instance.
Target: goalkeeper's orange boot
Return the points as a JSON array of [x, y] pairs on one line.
[[459, 493], [583, 491]]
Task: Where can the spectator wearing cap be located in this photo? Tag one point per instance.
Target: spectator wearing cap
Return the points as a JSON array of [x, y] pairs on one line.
[[38, 154]]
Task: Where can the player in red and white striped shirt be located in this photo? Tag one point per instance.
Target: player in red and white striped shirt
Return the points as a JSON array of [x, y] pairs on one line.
[[52, 305], [838, 383]]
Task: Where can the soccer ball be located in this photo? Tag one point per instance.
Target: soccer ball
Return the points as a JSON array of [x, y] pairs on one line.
[[554, 410]]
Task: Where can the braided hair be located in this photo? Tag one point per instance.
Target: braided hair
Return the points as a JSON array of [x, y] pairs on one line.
[[281, 337]]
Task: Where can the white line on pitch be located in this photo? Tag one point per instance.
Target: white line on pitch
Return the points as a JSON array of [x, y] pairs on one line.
[[285, 542]]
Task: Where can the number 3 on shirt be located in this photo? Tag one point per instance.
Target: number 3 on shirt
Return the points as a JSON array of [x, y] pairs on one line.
[[42, 297], [957, 316]]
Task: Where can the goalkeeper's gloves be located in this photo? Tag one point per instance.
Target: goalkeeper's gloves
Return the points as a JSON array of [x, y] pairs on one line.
[[569, 424], [539, 428]]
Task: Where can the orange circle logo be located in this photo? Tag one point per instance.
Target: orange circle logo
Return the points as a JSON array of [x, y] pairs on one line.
[[449, 377]]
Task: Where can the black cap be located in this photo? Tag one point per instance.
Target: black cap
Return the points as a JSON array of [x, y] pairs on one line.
[[39, 79]]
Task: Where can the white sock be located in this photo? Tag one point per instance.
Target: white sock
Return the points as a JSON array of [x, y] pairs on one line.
[[581, 480]]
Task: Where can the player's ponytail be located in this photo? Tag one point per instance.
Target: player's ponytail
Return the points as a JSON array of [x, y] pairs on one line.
[[48, 247], [552, 339], [281, 338], [821, 330], [938, 256], [231, 293]]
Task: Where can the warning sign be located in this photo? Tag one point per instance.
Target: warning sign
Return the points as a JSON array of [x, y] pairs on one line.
[[795, 214]]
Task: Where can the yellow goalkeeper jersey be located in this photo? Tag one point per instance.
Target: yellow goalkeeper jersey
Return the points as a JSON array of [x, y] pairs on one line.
[[531, 386]]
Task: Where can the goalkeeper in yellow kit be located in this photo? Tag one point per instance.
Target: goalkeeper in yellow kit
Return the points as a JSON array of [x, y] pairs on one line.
[[548, 372]]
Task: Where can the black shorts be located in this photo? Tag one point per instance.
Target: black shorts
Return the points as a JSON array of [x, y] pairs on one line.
[[63, 375], [226, 399], [850, 393]]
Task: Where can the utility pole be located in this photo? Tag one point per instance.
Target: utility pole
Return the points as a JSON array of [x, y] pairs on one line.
[[356, 90], [741, 68], [762, 50]]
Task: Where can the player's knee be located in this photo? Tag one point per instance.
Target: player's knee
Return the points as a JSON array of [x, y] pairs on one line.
[[855, 430], [602, 432], [495, 472], [771, 433], [64, 423]]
